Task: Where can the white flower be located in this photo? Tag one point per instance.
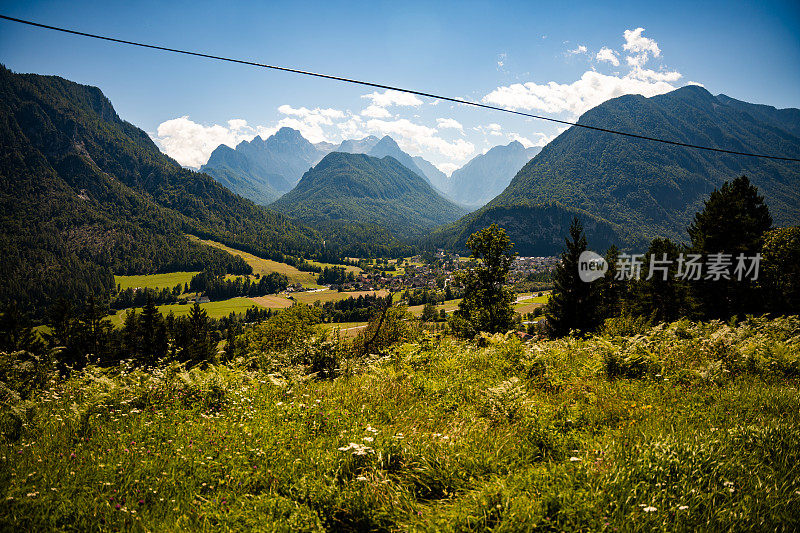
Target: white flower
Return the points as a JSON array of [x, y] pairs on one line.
[[361, 478], [683, 507], [650, 509], [575, 459], [371, 429], [368, 439], [358, 449]]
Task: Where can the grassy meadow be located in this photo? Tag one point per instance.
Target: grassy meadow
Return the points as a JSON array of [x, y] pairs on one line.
[[154, 281], [681, 427], [217, 309], [267, 266]]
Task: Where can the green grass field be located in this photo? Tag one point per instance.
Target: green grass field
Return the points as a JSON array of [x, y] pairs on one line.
[[687, 427], [449, 306], [154, 281], [214, 309], [266, 266], [332, 296]]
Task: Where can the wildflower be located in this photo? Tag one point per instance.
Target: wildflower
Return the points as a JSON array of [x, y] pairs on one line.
[[650, 509], [361, 478], [368, 439], [575, 459], [683, 507]]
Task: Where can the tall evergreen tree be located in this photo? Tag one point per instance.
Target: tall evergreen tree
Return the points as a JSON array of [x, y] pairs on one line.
[[733, 221], [610, 292], [199, 347], [487, 302], [571, 306], [95, 332], [153, 332], [659, 293]]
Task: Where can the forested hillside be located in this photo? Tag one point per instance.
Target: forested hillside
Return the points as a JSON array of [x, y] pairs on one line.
[[85, 194], [647, 189], [364, 189]]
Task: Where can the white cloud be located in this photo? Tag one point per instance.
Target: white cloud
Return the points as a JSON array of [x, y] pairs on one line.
[[310, 122], [636, 43], [448, 168], [493, 129], [374, 111], [577, 97], [640, 47], [417, 138], [449, 123], [390, 98], [609, 55], [541, 138], [190, 143], [581, 49], [593, 88]]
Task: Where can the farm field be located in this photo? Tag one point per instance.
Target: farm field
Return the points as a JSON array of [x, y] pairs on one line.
[[449, 306], [266, 266], [154, 281], [214, 309], [686, 427], [272, 301], [332, 296]]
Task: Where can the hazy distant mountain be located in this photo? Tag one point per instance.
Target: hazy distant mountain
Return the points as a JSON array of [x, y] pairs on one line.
[[437, 178], [262, 170], [353, 146], [364, 189], [486, 175], [642, 189]]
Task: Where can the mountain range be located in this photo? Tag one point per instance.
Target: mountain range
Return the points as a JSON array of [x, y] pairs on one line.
[[639, 189], [486, 175], [366, 189], [263, 170]]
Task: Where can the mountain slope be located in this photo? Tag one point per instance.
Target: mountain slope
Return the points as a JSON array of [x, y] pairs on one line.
[[388, 146], [262, 170], [84, 194], [436, 177], [365, 189], [485, 176], [646, 189], [233, 169]]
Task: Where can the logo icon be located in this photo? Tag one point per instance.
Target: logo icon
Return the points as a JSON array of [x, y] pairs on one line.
[[591, 266]]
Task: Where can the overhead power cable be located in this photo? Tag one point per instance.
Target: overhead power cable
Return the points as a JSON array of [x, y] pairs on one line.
[[393, 88]]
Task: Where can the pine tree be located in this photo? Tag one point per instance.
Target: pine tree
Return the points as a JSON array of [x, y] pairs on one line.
[[153, 332], [200, 347], [733, 221], [663, 298], [571, 306], [610, 291]]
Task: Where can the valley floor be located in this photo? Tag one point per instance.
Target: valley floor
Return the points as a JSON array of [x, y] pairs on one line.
[[687, 427]]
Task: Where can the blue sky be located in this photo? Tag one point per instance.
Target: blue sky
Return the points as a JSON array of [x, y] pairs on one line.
[[557, 59]]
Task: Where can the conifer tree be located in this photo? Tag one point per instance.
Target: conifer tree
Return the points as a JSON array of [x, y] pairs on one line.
[[733, 221], [571, 306]]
